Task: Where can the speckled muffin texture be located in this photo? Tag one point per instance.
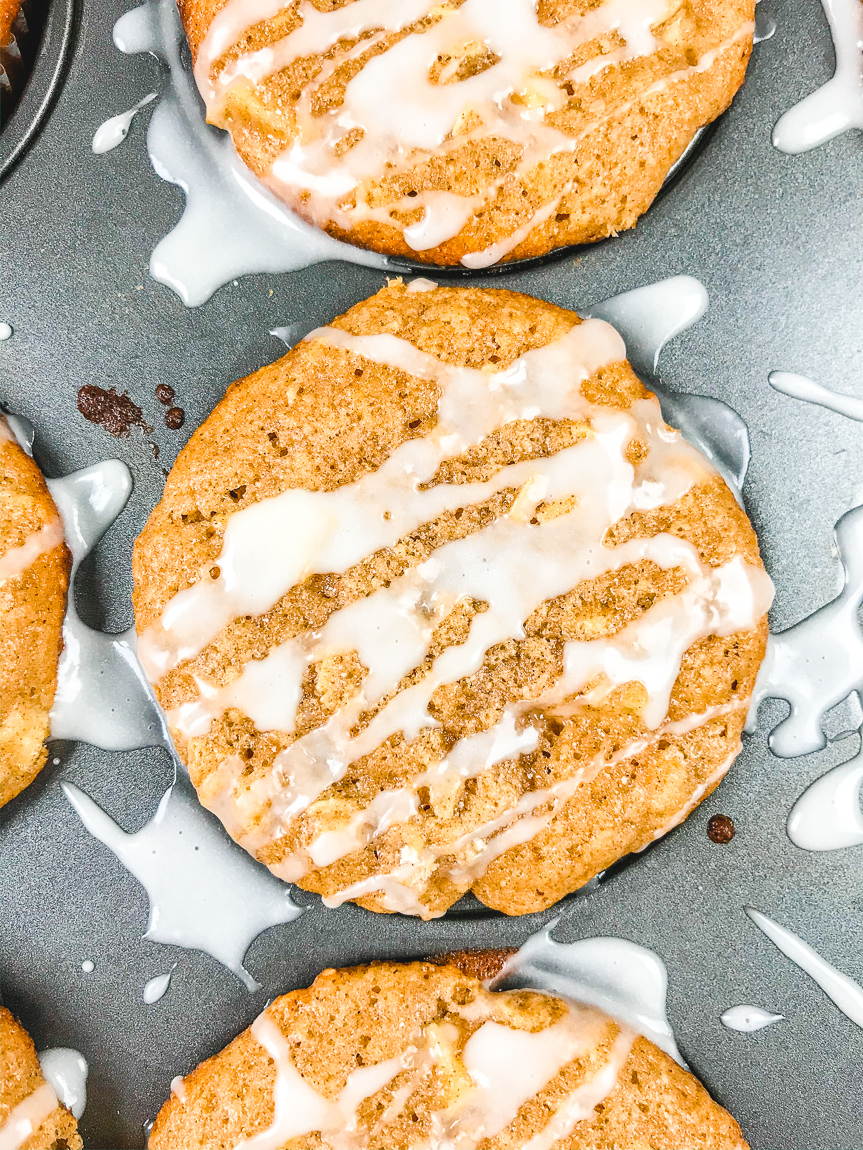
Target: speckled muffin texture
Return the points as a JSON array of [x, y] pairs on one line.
[[34, 576], [550, 124], [635, 1096], [20, 1077], [399, 828]]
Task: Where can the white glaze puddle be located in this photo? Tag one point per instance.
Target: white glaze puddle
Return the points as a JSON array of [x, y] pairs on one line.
[[231, 225], [827, 816], [799, 387], [156, 987], [838, 105], [88, 966], [102, 695], [67, 1071], [205, 893], [115, 130], [748, 1018], [626, 980], [5, 331], [648, 318], [818, 662], [839, 988]]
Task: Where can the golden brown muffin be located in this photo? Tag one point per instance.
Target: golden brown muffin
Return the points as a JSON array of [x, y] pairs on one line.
[[406, 653], [34, 576], [25, 1096], [393, 1056], [8, 12], [462, 132]]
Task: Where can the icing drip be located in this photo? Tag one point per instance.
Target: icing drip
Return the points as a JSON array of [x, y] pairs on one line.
[[393, 115], [26, 1118], [838, 105], [839, 988], [17, 560], [102, 696], [231, 224], [204, 893], [818, 662], [507, 1067], [827, 816], [115, 130], [156, 987], [648, 318], [279, 541], [67, 1072], [748, 1018], [625, 980], [799, 387]]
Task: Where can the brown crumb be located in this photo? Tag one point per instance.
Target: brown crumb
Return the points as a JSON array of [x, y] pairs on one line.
[[720, 829], [164, 393], [118, 414], [175, 417]]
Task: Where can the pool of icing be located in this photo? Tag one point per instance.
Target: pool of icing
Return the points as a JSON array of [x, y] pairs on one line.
[[770, 237]]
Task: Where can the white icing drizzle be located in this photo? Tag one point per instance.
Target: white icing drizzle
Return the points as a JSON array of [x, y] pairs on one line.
[[827, 816], [799, 387], [818, 662], [402, 117], [17, 560], [507, 1066], [748, 1018], [26, 1118], [231, 224], [204, 893], [115, 130], [582, 1102], [648, 317], [838, 105], [156, 987], [67, 1072], [839, 988], [627, 981], [178, 1088], [279, 541], [102, 695]]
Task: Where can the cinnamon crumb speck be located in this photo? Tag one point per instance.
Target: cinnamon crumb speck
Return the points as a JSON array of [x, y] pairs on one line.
[[175, 417], [117, 413], [720, 829]]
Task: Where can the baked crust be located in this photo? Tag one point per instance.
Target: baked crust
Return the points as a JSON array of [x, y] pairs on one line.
[[364, 1015], [32, 607], [20, 1076], [627, 125], [317, 419]]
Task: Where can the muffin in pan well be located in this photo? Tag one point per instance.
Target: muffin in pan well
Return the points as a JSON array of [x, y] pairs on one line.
[[438, 602], [420, 1055], [31, 1117], [34, 577], [467, 133]]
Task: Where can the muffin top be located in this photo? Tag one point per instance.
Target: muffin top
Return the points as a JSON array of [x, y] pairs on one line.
[[31, 1117], [34, 576], [418, 1055], [439, 602], [469, 131]]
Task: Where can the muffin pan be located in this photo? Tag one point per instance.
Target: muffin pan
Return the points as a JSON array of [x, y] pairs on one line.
[[775, 239]]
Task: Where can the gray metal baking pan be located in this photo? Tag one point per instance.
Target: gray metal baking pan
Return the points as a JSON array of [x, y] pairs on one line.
[[777, 241]]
